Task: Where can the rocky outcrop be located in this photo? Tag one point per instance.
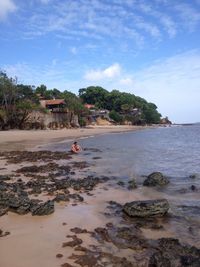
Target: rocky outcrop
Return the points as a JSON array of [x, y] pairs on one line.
[[21, 204], [155, 178], [146, 208], [45, 208]]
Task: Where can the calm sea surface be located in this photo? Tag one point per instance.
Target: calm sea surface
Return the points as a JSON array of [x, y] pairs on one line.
[[174, 151]]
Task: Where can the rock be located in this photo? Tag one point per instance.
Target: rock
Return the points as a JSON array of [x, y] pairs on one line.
[[132, 184], [66, 265], [78, 230], [146, 208], [75, 242], [3, 211], [193, 188], [45, 208], [76, 197], [5, 177], [194, 175], [2, 233], [121, 183], [61, 197], [171, 253], [59, 255], [103, 234], [156, 178]]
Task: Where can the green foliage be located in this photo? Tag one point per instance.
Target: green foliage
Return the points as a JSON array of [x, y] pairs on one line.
[[15, 105], [94, 95], [18, 100], [41, 90], [122, 103], [116, 116], [150, 113]]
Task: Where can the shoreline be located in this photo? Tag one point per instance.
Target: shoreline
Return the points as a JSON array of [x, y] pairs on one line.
[[87, 223], [28, 139]]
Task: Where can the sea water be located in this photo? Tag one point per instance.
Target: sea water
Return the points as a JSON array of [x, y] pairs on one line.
[[174, 151]]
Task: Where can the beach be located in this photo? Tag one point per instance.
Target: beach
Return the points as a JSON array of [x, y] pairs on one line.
[[21, 139], [60, 209], [35, 241]]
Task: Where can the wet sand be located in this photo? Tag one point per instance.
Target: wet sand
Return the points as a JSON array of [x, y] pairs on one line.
[[38, 240], [20, 139], [35, 241]]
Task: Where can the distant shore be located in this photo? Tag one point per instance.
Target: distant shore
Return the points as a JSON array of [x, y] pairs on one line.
[[27, 139]]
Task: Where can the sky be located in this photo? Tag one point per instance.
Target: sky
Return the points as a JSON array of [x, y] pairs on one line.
[[150, 48]]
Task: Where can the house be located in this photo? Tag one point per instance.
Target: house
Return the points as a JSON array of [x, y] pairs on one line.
[[54, 105], [89, 106]]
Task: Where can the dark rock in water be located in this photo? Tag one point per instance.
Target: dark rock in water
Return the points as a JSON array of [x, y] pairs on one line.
[[76, 197], [5, 177], [61, 197], [193, 188], [59, 255], [2, 233], [78, 230], [45, 208], [170, 253], [121, 183], [66, 265], [156, 178], [146, 208], [3, 211], [103, 233], [194, 175], [132, 184], [75, 242]]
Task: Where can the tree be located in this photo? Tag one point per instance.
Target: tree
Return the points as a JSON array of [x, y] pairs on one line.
[[95, 95], [41, 90], [74, 105], [150, 113], [115, 116], [14, 103]]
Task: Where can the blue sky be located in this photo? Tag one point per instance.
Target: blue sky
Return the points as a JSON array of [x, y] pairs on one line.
[[147, 47]]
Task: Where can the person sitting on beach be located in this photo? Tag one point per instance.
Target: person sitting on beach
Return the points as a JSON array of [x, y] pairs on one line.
[[75, 148]]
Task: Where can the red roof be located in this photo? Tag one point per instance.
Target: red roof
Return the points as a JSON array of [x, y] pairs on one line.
[[89, 106], [55, 102]]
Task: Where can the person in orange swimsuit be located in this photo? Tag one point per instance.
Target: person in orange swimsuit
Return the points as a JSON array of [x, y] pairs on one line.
[[75, 148]]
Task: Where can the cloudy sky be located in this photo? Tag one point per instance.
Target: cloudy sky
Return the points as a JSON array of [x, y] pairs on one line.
[[147, 47]]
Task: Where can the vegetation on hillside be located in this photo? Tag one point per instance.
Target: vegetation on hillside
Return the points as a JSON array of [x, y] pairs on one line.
[[17, 101], [122, 106]]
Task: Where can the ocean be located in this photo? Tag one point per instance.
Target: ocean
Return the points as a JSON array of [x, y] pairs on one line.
[[174, 151]]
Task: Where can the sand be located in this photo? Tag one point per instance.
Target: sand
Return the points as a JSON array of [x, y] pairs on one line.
[[21, 140], [35, 241]]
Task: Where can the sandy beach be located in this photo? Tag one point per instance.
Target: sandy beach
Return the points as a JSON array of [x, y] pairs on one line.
[[56, 211], [20, 139], [36, 240]]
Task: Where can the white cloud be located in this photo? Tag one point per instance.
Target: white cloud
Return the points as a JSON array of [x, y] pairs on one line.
[[128, 82], [73, 50], [173, 84], [6, 7], [189, 15], [109, 73]]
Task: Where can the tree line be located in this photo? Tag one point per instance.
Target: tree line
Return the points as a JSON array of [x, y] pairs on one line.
[[17, 101]]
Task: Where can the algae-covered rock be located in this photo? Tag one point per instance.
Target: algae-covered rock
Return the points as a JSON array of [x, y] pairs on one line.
[[155, 178], [45, 208], [146, 208]]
